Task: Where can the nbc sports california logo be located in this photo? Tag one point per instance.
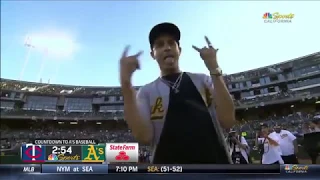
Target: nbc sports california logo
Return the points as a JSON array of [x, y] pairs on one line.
[[277, 17], [295, 168]]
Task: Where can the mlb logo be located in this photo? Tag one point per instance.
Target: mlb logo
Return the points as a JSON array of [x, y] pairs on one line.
[[122, 152], [33, 153]]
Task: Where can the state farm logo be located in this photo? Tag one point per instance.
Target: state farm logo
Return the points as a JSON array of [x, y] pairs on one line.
[[122, 156], [122, 152]]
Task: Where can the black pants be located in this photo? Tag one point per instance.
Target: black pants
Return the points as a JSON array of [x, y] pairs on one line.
[[237, 158], [290, 159], [276, 162]]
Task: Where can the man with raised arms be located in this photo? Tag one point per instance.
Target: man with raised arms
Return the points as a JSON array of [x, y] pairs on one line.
[[180, 114]]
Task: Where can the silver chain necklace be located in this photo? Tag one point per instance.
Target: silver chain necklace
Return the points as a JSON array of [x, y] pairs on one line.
[[174, 86]]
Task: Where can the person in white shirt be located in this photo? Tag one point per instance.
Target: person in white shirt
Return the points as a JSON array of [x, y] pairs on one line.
[[238, 148], [288, 145], [271, 153]]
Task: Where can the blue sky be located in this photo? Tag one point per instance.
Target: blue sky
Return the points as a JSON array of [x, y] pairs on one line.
[[86, 38]]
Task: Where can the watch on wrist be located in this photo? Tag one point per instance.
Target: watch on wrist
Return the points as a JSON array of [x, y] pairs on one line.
[[216, 72]]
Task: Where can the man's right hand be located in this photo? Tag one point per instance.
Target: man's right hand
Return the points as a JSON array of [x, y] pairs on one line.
[[128, 65]]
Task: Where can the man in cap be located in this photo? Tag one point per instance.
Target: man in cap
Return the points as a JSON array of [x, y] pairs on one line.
[[271, 153], [288, 145], [180, 113], [238, 147]]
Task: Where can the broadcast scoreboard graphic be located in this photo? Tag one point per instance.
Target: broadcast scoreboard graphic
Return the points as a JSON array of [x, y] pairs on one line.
[[110, 152], [32, 153]]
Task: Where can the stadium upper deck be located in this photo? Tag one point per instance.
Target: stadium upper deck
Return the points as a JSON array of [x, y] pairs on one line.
[[283, 67], [289, 81]]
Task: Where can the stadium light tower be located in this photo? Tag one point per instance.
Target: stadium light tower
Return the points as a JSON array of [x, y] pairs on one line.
[[57, 45], [43, 61], [28, 44]]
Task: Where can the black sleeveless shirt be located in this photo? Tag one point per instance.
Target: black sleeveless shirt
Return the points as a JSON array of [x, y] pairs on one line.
[[188, 135]]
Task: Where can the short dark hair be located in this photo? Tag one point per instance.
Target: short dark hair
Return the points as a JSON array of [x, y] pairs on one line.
[[162, 29]]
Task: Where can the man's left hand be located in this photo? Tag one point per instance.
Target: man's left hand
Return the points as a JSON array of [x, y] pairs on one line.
[[208, 54]]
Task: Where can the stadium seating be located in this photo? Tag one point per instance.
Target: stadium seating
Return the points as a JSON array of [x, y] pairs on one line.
[[31, 110]]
